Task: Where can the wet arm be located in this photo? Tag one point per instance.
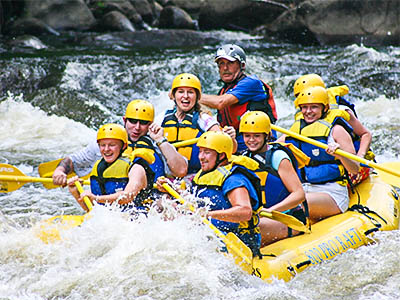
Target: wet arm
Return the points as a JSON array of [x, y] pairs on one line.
[[137, 182], [362, 132], [341, 137], [64, 168], [241, 209], [176, 162], [218, 102], [292, 184]]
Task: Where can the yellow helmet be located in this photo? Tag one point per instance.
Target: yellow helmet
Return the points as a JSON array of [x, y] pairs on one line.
[[307, 81], [255, 122], [314, 94], [140, 110], [187, 80], [112, 131], [218, 141]]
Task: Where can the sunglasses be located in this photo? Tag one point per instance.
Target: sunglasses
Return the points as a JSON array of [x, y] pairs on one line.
[[134, 121]]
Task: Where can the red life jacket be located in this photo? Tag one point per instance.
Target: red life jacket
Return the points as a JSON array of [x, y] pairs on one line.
[[230, 115]]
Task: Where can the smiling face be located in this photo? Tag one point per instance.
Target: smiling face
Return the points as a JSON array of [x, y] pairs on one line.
[[208, 158], [228, 70], [312, 111], [136, 128], [185, 98], [110, 149], [255, 141]]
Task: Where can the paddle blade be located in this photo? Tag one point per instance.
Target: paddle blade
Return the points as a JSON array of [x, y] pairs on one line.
[[288, 220], [49, 230], [47, 169], [10, 171], [388, 177], [240, 252], [10, 186]]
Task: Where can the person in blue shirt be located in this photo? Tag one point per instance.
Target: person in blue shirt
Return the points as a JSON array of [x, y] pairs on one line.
[[234, 190], [240, 92]]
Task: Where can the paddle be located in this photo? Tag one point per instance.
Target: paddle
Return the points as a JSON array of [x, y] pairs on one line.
[[49, 230], [46, 169], [389, 172], [185, 143], [11, 179], [240, 252], [288, 220]]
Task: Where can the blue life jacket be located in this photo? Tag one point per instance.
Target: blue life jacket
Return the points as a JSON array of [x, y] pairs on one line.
[[323, 167], [273, 189]]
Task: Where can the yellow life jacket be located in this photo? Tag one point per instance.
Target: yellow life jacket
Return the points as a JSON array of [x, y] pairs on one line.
[[114, 178], [187, 129], [144, 148], [334, 91]]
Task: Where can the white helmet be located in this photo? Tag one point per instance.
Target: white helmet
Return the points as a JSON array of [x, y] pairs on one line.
[[231, 52]]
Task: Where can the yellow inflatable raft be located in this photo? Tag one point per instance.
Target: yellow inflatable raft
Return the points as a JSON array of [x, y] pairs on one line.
[[374, 206]]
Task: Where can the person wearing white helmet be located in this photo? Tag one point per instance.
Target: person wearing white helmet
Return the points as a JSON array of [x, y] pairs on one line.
[[240, 92]]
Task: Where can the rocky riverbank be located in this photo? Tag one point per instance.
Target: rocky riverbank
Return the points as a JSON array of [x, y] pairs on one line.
[[144, 22]]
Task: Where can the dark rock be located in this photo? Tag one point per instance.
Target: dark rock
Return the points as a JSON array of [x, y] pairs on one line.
[[164, 3], [61, 14], [175, 17], [115, 20], [1, 16], [144, 9], [157, 11], [352, 21], [192, 7], [288, 28], [155, 39], [101, 8], [30, 26], [240, 14], [371, 22]]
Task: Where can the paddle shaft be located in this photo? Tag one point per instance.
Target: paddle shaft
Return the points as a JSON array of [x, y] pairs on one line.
[[30, 179], [185, 143], [86, 198], [338, 151]]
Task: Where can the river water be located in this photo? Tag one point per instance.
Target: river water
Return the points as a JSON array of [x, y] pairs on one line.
[[62, 94]]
